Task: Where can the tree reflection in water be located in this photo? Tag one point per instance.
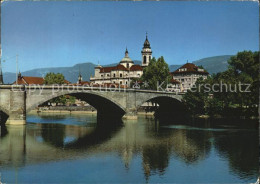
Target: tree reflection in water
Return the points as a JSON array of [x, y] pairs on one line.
[[157, 144], [240, 149]]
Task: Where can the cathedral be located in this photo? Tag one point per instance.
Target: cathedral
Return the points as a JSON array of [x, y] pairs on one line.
[[125, 71]]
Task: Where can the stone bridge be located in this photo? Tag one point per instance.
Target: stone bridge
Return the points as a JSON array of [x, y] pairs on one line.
[[111, 103]]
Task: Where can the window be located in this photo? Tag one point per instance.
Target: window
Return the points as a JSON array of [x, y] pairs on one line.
[[121, 75], [114, 76], [120, 82], [144, 60], [101, 75], [127, 65], [125, 82], [107, 75], [149, 58]]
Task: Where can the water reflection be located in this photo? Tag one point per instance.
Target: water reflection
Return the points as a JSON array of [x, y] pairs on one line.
[[157, 145], [240, 150], [191, 146]]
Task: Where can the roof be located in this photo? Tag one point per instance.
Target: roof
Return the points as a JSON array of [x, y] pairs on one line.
[[190, 68], [29, 80], [66, 82], [136, 68], [109, 69], [173, 81], [126, 59], [81, 83], [26, 80], [120, 67]]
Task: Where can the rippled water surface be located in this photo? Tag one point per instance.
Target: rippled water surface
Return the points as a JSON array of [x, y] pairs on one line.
[[74, 149]]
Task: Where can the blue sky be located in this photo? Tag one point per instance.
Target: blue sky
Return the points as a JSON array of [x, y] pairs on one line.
[[51, 34]]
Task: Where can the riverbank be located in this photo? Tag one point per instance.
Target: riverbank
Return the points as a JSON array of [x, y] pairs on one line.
[[62, 111], [35, 111]]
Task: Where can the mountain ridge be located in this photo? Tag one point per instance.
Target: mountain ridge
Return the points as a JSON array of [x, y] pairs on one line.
[[212, 64]]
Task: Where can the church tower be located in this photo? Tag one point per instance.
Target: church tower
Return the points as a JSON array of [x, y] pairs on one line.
[[79, 78], [146, 53]]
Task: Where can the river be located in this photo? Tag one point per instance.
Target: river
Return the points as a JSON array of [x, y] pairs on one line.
[[64, 148]]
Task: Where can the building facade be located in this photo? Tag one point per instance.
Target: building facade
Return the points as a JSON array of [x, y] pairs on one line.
[[125, 71], [186, 76]]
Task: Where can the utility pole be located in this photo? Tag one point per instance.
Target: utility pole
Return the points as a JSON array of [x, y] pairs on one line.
[[16, 69], [1, 74]]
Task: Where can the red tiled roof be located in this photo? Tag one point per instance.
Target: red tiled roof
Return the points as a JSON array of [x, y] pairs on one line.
[[109, 69], [84, 83], [106, 69], [173, 81], [190, 68], [29, 80], [136, 68], [66, 82], [121, 68], [81, 83], [32, 80]]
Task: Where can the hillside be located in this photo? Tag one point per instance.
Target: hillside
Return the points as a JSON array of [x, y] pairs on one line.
[[71, 73], [211, 64], [214, 64]]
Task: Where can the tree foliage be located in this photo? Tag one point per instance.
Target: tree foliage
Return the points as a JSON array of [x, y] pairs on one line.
[[58, 78], [157, 72], [54, 78], [229, 97]]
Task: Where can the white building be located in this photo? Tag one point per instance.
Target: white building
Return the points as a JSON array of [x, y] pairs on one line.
[[186, 76], [125, 71]]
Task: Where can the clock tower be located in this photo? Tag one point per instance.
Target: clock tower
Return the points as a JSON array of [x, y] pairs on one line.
[[146, 53]]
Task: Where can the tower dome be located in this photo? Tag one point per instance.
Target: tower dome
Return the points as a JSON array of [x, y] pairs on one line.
[[126, 59]]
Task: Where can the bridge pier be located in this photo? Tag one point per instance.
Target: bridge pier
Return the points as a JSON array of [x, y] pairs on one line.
[[131, 114], [17, 107]]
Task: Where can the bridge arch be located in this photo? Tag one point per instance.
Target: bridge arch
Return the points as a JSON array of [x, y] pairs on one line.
[[154, 97], [4, 110], [106, 106], [170, 107], [4, 114]]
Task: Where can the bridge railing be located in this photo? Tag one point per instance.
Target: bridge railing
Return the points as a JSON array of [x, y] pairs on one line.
[[78, 88]]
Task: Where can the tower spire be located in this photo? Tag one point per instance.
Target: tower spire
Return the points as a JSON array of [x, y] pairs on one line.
[[146, 52], [126, 52], [80, 77]]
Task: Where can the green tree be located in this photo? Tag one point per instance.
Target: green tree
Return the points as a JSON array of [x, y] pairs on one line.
[[71, 100], [195, 99], [54, 78], [229, 97], [157, 72], [58, 78]]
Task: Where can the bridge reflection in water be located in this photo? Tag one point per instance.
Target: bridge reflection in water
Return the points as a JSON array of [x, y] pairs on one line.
[[160, 147]]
